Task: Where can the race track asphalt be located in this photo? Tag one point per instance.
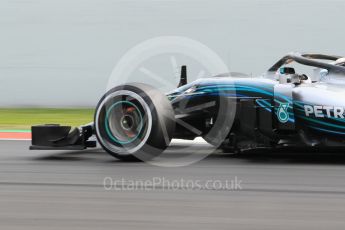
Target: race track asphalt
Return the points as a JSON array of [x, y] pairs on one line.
[[64, 190]]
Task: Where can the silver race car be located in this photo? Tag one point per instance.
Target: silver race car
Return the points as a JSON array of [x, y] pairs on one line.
[[282, 108]]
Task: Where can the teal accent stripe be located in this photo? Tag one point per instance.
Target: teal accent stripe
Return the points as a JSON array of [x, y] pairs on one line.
[[323, 123], [244, 88], [328, 131]]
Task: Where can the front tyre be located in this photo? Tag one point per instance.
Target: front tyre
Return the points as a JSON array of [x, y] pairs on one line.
[[134, 122]]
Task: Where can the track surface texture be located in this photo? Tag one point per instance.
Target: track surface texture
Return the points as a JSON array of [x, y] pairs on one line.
[[64, 190]]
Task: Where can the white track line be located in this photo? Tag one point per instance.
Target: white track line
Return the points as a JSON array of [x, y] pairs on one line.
[[5, 139]]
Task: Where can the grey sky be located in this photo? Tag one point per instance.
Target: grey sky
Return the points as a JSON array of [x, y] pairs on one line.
[[61, 52]]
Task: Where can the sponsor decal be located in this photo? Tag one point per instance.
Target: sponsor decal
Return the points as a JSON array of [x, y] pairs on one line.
[[282, 113], [320, 111]]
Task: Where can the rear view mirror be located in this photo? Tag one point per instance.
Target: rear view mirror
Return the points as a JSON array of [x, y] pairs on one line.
[[287, 70]]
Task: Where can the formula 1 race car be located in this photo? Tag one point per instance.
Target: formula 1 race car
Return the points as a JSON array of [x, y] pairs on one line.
[[279, 109]]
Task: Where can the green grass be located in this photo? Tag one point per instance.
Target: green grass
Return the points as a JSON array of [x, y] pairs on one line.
[[23, 119]]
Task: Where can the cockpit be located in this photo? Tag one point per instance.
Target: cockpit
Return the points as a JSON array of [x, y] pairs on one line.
[[311, 68]]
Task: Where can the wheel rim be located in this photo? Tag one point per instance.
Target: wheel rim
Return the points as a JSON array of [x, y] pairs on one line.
[[123, 122]]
